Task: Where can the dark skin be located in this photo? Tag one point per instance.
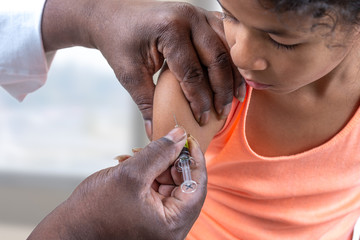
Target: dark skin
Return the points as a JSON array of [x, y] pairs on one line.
[[136, 36], [138, 199]]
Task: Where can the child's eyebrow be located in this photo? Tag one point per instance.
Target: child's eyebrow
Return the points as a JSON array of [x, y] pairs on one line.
[[280, 33]]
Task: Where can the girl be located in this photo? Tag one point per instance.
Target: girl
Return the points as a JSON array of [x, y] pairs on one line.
[[285, 164]]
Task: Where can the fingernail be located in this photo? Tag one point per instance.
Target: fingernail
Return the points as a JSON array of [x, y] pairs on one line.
[[121, 158], [241, 92], [191, 138], [177, 134], [136, 149], [204, 118], [226, 110], [148, 127], [198, 117]]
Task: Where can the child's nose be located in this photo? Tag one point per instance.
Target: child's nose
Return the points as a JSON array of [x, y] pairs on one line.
[[247, 53]]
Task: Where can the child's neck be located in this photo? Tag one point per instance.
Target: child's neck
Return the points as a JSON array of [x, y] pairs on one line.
[[306, 118]]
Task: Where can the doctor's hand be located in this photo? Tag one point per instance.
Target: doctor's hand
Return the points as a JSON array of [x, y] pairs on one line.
[[136, 36], [138, 199]]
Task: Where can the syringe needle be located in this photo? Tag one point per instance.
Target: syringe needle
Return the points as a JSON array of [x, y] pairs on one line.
[[176, 124]]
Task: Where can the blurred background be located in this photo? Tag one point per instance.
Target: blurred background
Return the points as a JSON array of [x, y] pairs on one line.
[[70, 128]]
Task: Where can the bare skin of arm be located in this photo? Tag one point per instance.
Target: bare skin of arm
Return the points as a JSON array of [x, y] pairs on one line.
[[169, 101]]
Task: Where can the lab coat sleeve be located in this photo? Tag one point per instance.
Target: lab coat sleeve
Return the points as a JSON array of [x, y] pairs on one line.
[[23, 61]]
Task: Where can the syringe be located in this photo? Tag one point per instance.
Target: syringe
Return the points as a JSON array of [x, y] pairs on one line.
[[182, 164]]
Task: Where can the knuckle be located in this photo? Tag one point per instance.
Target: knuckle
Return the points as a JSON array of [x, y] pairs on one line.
[[128, 80], [132, 73], [193, 76], [222, 88], [221, 60], [180, 14], [144, 105], [171, 31], [177, 26], [127, 177], [162, 149], [200, 101], [201, 106], [161, 145], [172, 23], [170, 19], [183, 10], [142, 96], [223, 98], [189, 11]]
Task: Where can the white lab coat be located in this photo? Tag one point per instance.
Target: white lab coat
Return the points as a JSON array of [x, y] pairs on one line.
[[23, 62]]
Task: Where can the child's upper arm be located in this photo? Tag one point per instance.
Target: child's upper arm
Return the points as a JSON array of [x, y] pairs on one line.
[[169, 100]]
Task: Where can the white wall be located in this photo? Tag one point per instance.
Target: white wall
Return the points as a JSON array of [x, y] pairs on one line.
[[211, 5]]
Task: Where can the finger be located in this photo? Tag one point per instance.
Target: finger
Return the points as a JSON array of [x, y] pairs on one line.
[[155, 185], [171, 176], [241, 91], [214, 54], [155, 158], [166, 190], [165, 178], [215, 21], [139, 83], [176, 176], [199, 173], [183, 61]]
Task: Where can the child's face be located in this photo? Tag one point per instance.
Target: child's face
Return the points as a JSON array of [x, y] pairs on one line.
[[280, 53]]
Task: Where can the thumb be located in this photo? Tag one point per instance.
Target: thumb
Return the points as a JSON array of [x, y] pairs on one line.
[[156, 157]]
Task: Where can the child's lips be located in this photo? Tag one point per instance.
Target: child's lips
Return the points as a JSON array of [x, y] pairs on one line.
[[256, 85]]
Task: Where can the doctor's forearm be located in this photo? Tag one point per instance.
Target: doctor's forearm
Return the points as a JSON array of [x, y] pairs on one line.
[[67, 23]]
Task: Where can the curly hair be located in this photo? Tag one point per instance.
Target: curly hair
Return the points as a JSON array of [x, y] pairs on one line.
[[344, 11]]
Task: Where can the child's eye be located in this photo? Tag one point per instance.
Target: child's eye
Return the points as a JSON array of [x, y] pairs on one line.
[[228, 17], [282, 46]]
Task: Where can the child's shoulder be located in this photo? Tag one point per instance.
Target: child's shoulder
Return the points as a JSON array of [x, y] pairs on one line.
[[170, 102]]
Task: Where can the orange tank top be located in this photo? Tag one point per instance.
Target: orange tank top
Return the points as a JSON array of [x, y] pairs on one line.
[[310, 195]]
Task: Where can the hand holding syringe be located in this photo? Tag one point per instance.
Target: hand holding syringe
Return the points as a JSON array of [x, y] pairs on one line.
[[182, 164]]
